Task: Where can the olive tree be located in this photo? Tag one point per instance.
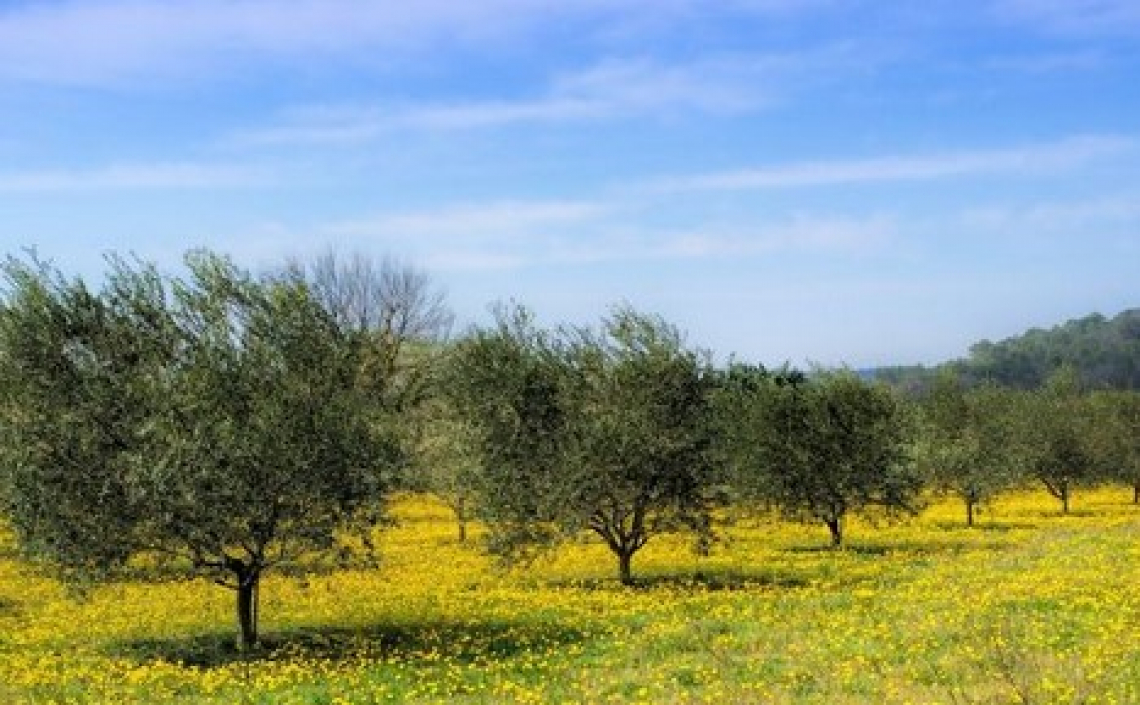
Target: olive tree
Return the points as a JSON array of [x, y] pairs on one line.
[[1118, 436], [504, 385], [602, 430], [446, 465], [211, 422], [820, 447], [969, 442], [74, 372], [1060, 433]]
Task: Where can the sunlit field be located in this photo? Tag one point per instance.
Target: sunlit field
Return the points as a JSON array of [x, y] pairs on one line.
[[1027, 607]]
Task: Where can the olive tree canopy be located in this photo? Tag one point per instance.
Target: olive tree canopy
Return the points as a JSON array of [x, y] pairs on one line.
[[213, 422], [1061, 437], [1118, 435], [819, 447], [602, 430], [970, 442]]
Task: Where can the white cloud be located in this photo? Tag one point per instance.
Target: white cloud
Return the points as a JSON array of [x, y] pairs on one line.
[[1073, 17], [798, 233], [517, 234], [1054, 217], [102, 42], [716, 85], [608, 90], [1050, 62], [499, 219], [136, 177], [1027, 160], [488, 236]]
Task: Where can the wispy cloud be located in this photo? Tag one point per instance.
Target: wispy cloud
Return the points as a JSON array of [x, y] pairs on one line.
[[1064, 217], [518, 234], [497, 235], [1049, 62], [504, 218], [136, 177], [114, 41], [816, 235], [1028, 160], [109, 41], [611, 89], [1075, 17]]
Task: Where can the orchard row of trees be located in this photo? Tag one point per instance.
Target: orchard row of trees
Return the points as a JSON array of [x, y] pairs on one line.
[[625, 431], [222, 424], [977, 442]]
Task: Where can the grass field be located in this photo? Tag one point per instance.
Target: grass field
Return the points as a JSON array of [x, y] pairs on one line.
[[1028, 607]]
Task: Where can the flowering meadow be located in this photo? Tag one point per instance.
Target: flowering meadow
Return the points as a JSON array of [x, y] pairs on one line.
[[1029, 606]]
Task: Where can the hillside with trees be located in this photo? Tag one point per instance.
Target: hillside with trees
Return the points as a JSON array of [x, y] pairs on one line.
[[1105, 352]]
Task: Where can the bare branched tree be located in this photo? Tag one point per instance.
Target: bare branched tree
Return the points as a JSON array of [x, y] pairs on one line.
[[385, 296]]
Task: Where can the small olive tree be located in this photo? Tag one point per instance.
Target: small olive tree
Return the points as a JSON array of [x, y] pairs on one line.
[[1118, 436], [602, 430], [446, 465], [212, 422], [1060, 432], [820, 447], [969, 442]]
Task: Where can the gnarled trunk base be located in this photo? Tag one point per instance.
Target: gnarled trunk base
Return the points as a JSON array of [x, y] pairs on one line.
[[246, 580], [625, 567], [835, 527]]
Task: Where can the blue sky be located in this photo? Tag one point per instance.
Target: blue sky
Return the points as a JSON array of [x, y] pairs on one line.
[[788, 180]]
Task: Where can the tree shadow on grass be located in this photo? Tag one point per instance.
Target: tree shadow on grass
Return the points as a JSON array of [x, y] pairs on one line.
[[705, 581], [1056, 513], [463, 642], [924, 547], [9, 607], [996, 526]]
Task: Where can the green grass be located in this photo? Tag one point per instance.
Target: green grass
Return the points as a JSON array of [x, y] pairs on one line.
[[1028, 607]]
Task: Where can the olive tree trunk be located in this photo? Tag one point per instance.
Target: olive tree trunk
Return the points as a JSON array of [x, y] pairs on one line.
[[835, 526], [625, 567], [247, 577]]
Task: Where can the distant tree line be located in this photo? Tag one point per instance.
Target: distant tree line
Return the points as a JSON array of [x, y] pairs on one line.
[[1104, 353], [222, 424]]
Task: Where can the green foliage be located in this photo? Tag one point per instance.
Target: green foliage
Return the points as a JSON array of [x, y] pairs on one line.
[[1104, 352], [821, 447], [444, 460], [579, 429], [74, 373], [641, 438], [1061, 434], [405, 319], [504, 383], [1117, 436], [970, 440], [216, 423]]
